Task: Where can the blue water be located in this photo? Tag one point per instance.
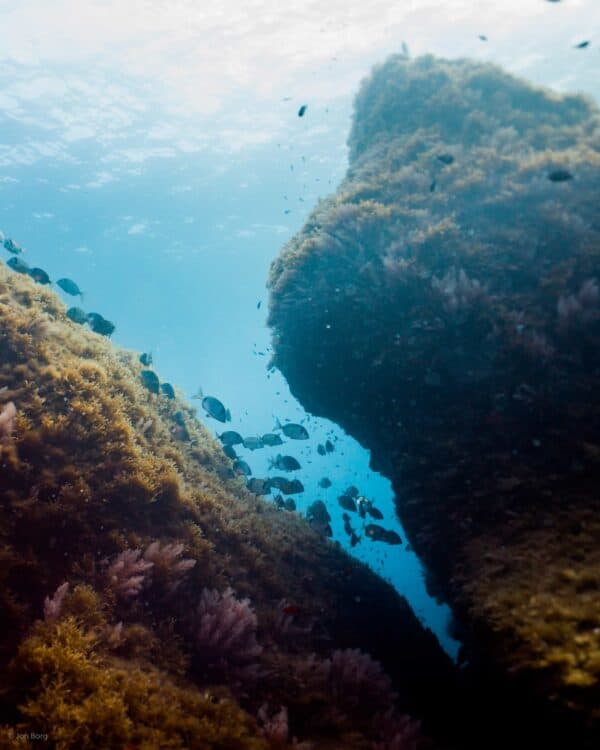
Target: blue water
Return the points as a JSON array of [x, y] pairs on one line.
[[165, 177]]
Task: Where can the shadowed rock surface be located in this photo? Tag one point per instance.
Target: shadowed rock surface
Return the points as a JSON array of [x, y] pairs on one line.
[[443, 308]]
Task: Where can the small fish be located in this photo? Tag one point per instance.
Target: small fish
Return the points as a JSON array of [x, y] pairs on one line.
[[347, 502], [271, 439], [289, 504], [231, 437], [352, 491], [39, 275], [12, 246], [241, 467], [146, 359], [284, 463], [258, 304], [215, 409], [291, 430], [179, 418], [325, 483], [100, 325], [560, 175], [150, 380], [259, 486], [229, 451], [321, 450], [483, 37], [319, 518], [433, 186], [17, 265], [167, 390], [375, 512], [582, 45], [77, 315], [329, 446], [379, 534], [70, 287], [279, 502], [286, 486], [253, 443], [445, 158], [302, 110]]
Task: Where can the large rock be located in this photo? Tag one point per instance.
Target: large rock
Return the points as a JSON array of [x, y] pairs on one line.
[[93, 465], [443, 307]]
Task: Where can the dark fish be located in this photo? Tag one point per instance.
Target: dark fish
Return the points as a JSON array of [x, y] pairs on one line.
[[375, 512], [215, 409], [179, 418], [271, 439], [325, 483], [241, 467], [445, 158], [560, 175], [150, 380], [146, 359], [321, 450], [352, 491], [279, 502], [70, 287], [253, 443], [284, 463], [291, 430], [432, 186], [319, 518], [77, 315], [39, 275], [483, 37], [286, 486], [258, 304], [582, 45], [17, 265], [379, 534], [259, 486], [302, 110], [229, 451], [230, 437], [12, 246], [100, 325], [347, 502], [329, 446], [289, 504], [167, 390]]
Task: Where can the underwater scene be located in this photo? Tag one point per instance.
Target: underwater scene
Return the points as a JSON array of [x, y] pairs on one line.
[[300, 375]]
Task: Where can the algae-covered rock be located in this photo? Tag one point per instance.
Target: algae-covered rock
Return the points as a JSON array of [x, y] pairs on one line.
[[444, 308], [143, 589]]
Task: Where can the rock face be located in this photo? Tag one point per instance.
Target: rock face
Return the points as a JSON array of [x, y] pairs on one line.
[[148, 600], [443, 307]]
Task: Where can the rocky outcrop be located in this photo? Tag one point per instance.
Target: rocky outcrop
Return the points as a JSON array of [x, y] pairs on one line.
[[147, 599], [443, 307]]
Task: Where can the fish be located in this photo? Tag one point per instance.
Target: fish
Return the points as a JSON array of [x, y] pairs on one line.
[[99, 324], [150, 380], [582, 45], [483, 37], [259, 486], [215, 409], [321, 450], [302, 110], [279, 502], [229, 451], [77, 315], [241, 467], [271, 439], [286, 486], [179, 418], [289, 504], [146, 359], [258, 304], [352, 491], [329, 446], [17, 265], [445, 158], [378, 534], [366, 506], [70, 287], [231, 437], [319, 518], [12, 246], [560, 175], [292, 430], [375, 512], [253, 443], [39, 275], [347, 502], [432, 186], [284, 463], [325, 483], [179, 432], [167, 390]]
